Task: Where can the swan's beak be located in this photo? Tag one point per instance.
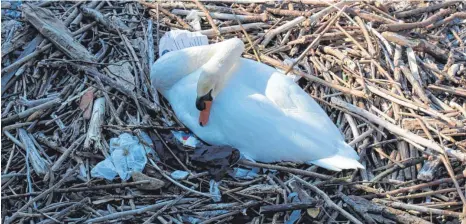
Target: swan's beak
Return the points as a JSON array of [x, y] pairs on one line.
[[203, 104], [204, 116]]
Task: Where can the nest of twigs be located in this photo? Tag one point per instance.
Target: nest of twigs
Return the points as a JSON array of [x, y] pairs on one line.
[[391, 75]]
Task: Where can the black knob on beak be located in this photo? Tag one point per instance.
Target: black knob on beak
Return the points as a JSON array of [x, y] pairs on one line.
[[200, 105], [200, 101]]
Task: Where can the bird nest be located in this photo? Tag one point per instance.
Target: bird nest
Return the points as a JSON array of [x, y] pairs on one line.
[[390, 74]]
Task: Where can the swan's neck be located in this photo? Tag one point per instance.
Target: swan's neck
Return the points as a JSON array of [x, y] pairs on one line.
[[217, 70], [215, 62]]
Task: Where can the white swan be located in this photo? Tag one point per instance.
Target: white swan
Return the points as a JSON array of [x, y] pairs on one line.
[[249, 106]]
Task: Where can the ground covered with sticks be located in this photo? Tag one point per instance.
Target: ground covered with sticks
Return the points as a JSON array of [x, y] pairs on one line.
[[77, 104]]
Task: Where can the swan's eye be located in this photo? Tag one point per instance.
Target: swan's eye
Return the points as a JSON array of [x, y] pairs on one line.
[[200, 104], [200, 101]]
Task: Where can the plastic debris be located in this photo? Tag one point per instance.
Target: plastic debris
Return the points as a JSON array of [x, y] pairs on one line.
[[179, 175], [244, 174], [180, 39], [127, 154], [195, 20], [296, 214], [14, 9], [104, 169], [187, 139], [215, 191], [217, 159]]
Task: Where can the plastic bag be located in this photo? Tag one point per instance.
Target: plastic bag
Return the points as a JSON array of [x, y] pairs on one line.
[[179, 175], [244, 174], [187, 139], [180, 39], [295, 214], [127, 154]]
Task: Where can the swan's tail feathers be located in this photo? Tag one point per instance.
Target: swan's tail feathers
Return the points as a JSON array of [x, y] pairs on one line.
[[338, 163], [179, 39], [346, 158]]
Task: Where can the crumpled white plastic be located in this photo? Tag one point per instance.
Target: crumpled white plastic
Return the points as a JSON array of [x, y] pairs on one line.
[[187, 139], [127, 154], [180, 39], [195, 20]]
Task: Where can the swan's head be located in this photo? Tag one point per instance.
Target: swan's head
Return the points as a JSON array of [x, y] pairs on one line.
[[205, 90], [215, 73]]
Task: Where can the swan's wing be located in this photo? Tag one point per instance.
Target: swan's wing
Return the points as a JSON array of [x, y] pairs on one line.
[[295, 102], [254, 124]]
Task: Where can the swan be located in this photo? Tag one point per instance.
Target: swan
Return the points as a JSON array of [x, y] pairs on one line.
[[225, 99]]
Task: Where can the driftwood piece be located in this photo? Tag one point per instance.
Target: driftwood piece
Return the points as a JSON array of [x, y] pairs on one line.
[[262, 189], [39, 164], [223, 16], [236, 28], [30, 47], [110, 22], [93, 137], [370, 16], [285, 27], [30, 111], [55, 31], [417, 44], [15, 43], [456, 91], [429, 169], [288, 207], [418, 208], [407, 26]]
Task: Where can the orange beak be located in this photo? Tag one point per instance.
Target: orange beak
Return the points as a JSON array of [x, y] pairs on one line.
[[204, 116]]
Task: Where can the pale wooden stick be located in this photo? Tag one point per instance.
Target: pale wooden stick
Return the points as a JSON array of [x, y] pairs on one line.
[[94, 131]]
